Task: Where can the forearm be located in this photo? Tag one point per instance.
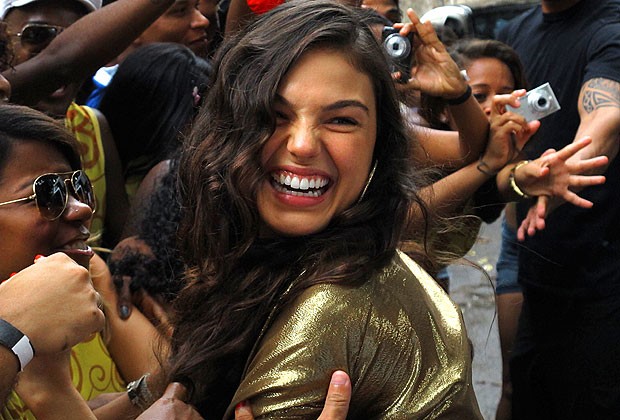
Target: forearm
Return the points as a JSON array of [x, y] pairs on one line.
[[82, 48], [8, 373], [53, 403], [133, 343], [448, 195], [473, 128], [599, 113]]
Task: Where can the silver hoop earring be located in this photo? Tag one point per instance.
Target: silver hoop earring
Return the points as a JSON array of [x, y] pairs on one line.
[[370, 175]]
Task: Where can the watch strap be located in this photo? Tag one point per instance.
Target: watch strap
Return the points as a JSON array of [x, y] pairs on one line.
[[17, 342]]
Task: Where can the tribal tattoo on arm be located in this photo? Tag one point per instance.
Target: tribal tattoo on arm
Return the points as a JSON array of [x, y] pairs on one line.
[[600, 93]]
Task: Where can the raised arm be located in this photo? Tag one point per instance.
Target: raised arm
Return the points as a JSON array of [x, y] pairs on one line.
[[436, 74], [82, 48], [599, 112]]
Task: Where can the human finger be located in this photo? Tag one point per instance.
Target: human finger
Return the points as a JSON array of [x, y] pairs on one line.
[[586, 180], [589, 164], [338, 397], [123, 303], [426, 32], [574, 199], [574, 147], [175, 390], [243, 411]]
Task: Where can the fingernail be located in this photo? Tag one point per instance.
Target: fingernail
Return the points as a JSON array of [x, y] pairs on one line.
[[124, 311], [339, 378], [36, 257], [241, 405]]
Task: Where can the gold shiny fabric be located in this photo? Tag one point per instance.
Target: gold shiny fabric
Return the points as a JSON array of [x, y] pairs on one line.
[[399, 337]]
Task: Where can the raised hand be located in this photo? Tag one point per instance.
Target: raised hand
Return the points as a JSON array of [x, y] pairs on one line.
[[551, 178], [554, 175], [435, 72], [508, 132]]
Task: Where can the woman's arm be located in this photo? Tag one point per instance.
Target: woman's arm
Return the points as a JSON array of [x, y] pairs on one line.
[[436, 74], [132, 342], [46, 388], [82, 48]]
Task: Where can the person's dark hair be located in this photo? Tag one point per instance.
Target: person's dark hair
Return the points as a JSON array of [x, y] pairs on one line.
[[151, 100], [159, 273], [465, 51], [235, 278], [18, 123]]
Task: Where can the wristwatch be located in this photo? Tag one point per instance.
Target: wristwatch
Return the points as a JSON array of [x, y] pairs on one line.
[[139, 393], [17, 342]]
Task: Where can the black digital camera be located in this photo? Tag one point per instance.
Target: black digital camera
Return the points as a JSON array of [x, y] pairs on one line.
[[398, 49]]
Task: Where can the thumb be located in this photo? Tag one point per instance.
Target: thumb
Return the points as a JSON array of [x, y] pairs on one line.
[[175, 390], [243, 411], [338, 397]]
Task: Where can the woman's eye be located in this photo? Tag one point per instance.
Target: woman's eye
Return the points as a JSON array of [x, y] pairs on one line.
[[480, 97], [281, 118], [343, 121]]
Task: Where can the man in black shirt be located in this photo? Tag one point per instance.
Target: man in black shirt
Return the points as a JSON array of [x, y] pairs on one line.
[[566, 361]]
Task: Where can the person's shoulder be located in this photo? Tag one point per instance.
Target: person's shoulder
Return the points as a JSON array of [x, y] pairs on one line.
[[514, 26]]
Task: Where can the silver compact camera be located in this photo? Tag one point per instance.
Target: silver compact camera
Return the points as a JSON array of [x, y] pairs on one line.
[[398, 49], [537, 103]]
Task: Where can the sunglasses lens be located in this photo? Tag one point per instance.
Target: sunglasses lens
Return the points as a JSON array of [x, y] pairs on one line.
[[83, 189], [51, 193], [38, 35]]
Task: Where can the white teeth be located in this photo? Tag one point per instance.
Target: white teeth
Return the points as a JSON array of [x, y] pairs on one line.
[[300, 183], [76, 245]]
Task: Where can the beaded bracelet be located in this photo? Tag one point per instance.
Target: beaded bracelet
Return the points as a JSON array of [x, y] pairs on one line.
[[513, 181]]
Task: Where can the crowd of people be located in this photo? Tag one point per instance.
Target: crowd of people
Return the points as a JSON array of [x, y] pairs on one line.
[[237, 209]]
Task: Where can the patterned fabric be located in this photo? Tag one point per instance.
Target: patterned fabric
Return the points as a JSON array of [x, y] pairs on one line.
[[83, 123], [93, 373]]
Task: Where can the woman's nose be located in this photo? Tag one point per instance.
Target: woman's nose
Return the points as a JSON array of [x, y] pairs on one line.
[[303, 141], [76, 210], [199, 21]]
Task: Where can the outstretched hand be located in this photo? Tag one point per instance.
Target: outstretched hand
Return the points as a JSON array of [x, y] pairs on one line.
[[551, 178], [434, 72]]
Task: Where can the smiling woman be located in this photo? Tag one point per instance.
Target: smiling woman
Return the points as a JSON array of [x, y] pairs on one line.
[[297, 188]]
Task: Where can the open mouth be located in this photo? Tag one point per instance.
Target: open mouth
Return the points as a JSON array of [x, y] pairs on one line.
[[299, 185]]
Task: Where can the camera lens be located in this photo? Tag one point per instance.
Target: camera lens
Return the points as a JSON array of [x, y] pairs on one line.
[[538, 102], [397, 46]]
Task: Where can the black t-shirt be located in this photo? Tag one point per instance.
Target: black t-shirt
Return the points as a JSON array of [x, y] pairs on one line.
[[578, 251]]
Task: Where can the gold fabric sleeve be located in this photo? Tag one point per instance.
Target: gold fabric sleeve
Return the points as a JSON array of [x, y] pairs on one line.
[[398, 336]]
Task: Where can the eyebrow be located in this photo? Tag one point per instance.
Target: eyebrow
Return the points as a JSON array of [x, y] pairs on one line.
[[331, 107]]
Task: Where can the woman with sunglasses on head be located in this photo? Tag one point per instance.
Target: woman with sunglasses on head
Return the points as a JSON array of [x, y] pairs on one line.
[[46, 205]]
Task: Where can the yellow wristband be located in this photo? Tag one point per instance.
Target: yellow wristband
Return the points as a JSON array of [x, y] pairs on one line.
[[513, 181]]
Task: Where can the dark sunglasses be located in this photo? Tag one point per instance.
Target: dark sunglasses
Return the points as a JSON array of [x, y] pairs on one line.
[[38, 35], [51, 193]]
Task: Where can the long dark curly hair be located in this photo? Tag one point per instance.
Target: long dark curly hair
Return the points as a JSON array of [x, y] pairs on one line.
[[235, 277]]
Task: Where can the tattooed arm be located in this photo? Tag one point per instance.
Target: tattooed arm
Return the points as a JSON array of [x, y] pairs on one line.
[[599, 110]]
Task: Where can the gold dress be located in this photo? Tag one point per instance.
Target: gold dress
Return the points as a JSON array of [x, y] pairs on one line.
[[399, 337]]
